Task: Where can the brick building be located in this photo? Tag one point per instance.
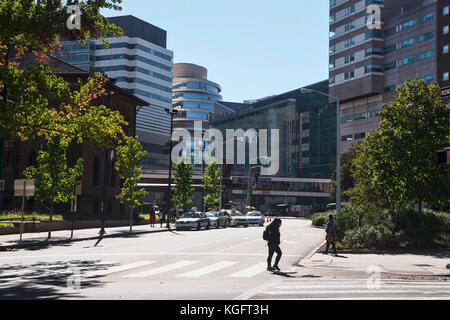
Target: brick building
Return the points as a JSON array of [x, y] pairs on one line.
[[16, 156]]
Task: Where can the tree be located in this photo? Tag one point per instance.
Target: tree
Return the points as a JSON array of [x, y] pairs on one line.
[[129, 156], [347, 179], [397, 164], [35, 101], [183, 190], [210, 185], [55, 182]]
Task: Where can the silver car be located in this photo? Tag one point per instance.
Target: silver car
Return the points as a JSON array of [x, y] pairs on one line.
[[255, 218], [217, 220], [193, 220]]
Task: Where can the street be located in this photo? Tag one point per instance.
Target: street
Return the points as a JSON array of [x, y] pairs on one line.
[[199, 265]]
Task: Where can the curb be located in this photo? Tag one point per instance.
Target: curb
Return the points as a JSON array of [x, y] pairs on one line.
[[313, 252], [56, 242]]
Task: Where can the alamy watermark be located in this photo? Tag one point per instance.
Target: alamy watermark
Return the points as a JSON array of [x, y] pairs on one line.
[[208, 146], [74, 280], [74, 20], [374, 17], [374, 279]]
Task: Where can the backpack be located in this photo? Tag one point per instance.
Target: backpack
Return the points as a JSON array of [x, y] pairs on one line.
[[266, 235]]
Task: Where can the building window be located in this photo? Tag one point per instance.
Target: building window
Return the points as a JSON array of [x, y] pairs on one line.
[[332, 3], [445, 77], [347, 119], [426, 18], [349, 74], [332, 33], [406, 61], [408, 42], [332, 80], [350, 58], [349, 42], [390, 48], [408, 24], [332, 64], [359, 136], [350, 10], [390, 66], [445, 31], [96, 172], [333, 17], [390, 32], [425, 55], [445, 50], [445, 11], [347, 138], [332, 49]]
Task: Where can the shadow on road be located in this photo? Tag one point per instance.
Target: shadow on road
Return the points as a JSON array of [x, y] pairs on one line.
[[49, 281]]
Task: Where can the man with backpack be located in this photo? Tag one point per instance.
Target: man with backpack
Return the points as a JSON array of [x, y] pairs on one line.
[[272, 236]]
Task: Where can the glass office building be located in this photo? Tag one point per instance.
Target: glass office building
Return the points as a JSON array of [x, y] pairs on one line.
[[308, 125]]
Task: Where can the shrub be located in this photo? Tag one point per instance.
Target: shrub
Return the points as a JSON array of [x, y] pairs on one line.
[[319, 219], [368, 236], [346, 220], [425, 226]]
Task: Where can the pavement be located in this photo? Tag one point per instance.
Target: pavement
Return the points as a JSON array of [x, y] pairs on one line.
[[12, 241], [426, 263], [216, 264]]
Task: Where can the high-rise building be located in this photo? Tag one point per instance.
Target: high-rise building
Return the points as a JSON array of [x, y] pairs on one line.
[[140, 63], [367, 63]]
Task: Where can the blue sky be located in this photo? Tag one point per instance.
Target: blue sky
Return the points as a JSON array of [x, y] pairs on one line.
[[253, 49]]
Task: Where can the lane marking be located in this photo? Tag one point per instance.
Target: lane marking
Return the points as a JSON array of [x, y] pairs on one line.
[[208, 269], [252, 271], [118, 269], [170, 267]]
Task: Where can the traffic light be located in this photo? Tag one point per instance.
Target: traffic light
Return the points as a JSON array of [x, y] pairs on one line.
[[444, 157]]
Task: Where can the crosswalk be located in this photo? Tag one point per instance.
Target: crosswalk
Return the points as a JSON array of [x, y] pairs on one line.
[[182, 269], [332, 289]]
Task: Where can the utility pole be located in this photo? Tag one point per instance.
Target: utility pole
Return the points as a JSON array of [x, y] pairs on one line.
[[171, 113]]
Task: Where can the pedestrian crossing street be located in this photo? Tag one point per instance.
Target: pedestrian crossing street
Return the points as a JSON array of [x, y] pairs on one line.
[[333, 289]]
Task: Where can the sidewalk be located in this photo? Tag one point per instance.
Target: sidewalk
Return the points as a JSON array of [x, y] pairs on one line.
[[58, 237], [432, 263]]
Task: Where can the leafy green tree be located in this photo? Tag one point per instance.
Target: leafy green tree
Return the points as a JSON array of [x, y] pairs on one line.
[[210, 185], [129, 156], [397, 164], [35, 101], [55, 182], [183, 190]]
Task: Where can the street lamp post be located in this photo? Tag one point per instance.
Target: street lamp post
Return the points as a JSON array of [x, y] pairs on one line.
[[338, 147], [172, 113]]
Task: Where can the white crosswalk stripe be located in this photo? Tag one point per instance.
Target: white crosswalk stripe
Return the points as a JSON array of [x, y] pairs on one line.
[[118, 269], [168, 268], [252, 271], [208, 269], [354, 290]]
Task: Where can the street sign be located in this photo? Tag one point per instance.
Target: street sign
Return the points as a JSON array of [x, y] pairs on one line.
[[21, 185], [445, 92]]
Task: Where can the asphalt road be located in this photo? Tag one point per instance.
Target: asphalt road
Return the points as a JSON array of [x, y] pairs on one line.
[[190, 265]]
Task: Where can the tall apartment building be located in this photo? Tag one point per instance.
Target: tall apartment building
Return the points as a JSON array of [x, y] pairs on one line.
[[367, 65], [141, 64]]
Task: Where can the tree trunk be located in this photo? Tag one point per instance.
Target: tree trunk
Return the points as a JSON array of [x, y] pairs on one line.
[[131, 220], [50, 222]]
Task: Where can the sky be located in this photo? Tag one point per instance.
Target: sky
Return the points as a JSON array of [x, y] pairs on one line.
[[252, 49]]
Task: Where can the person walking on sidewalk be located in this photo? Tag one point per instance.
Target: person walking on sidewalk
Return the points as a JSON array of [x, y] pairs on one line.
[[272, 236], [330, 229], [152, 217]]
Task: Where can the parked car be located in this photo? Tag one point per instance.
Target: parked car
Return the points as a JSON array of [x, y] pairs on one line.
[[217, 219], [255, 218], [237, 219], [193, 220]]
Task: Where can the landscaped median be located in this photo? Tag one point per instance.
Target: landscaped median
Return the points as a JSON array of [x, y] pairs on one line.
[[373, 228]]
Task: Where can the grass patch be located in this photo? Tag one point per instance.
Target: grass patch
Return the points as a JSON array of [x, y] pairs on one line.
[[17, 216], [6, 225]]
